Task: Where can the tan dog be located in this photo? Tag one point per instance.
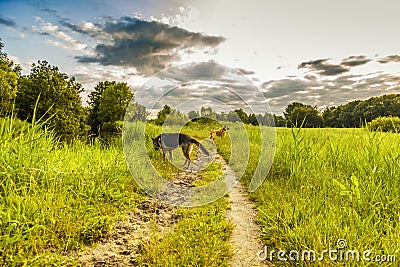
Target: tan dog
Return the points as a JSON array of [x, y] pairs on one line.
[[221, 133]]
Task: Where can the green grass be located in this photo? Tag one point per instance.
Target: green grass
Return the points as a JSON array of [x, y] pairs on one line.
[[324, 184], [57, 198], [327, 184], [200, 238]]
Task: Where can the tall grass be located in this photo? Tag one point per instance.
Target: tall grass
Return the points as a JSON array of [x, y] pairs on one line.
[[55, 198], [327, 184]]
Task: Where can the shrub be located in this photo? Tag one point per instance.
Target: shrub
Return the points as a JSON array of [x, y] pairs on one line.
[[385, 124]]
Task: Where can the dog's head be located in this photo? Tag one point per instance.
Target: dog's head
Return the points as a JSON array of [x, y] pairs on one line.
[[226, 128], [156, 143]]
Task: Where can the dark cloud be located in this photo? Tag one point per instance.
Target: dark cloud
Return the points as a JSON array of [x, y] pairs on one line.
[[49, 10], [246, 72], [323, 67], [388, 59], [355, 61], [284, 87], [149, 46], [7, 22]]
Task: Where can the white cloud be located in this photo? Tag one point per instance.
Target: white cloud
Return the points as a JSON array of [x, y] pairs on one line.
[[59, 38]]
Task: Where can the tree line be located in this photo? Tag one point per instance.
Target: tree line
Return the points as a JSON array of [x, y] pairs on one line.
[[354, 114], [47, 94]]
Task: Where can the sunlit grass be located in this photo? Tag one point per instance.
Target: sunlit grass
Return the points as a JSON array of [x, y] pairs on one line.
[[57, 197], [327, 184]]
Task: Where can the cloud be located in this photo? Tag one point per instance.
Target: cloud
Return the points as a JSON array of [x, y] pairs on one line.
[[200, 84], [206, 71], [286, 87], [7, 22], [323, 92], [59, 37], [49, 10], [149, 46], [246, 72], [388, 59], [86, 28], [324, 68], [355, 61]]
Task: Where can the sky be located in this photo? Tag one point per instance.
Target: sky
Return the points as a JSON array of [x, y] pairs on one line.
[[320, 53]]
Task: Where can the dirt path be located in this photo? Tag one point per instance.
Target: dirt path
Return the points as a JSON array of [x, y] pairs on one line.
[[244, 239], [245, 235], [122, 245], [125, 242]]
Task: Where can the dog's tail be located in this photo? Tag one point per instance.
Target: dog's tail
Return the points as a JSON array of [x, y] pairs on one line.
[[202, 148]]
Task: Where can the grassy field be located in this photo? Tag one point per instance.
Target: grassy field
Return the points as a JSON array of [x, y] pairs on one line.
[[58, 198], [326, 185]]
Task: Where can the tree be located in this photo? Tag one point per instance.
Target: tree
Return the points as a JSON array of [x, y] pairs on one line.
[[9, 75], [222, 116], [136, 112], [193, 115], [279, 121], [289, 109], [347, 118], [252, 119], [108, 104], [331, 117], [113, 102], [57, 98], [176, 118], [232, 116], [269, 119], [94, 104], [208, 112], [242, 115], [298, 114], [357, 113], [162, 115]]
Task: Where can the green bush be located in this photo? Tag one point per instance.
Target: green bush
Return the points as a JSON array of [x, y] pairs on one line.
[[385, 124]]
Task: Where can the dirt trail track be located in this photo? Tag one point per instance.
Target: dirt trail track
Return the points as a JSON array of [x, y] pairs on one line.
[[244, 239], [125, 242]]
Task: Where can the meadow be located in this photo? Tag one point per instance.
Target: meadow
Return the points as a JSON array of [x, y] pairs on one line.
[[324, 185], [57, 199]]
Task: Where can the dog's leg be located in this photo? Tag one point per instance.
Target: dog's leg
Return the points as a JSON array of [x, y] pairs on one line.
[[186, 153]]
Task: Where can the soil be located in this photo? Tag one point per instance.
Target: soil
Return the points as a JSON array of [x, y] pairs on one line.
[[125, 242], [244, 238]]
